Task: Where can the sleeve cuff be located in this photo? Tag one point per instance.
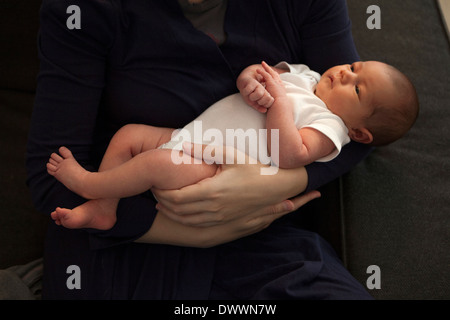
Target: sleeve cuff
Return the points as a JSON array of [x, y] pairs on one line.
[[135, 216], [321, 173]]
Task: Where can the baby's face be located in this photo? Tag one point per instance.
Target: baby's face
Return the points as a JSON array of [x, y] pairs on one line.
[[353, 91]]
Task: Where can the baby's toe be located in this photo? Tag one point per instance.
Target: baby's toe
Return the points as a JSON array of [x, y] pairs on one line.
[[65, 153]]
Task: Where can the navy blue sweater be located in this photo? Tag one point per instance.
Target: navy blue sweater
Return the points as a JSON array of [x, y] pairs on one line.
[[141, 61]]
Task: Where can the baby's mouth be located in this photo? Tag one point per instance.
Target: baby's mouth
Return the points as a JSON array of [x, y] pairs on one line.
[[333, 78]]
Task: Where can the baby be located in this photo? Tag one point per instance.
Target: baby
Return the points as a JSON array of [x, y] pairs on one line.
[[314, 116]]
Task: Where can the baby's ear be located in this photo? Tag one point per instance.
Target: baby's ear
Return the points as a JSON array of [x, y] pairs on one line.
[[361, 135]]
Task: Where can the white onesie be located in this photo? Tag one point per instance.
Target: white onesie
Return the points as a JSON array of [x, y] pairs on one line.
[[231, 117]]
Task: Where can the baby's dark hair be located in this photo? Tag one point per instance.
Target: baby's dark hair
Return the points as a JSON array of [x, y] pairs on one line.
[[390, 122]]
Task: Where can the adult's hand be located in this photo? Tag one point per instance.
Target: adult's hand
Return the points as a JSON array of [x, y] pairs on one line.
[[238, 195], [167, 231]]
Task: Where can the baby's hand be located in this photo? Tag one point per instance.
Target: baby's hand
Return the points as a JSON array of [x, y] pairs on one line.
[[274, 85], [252, 87], [256, 95]]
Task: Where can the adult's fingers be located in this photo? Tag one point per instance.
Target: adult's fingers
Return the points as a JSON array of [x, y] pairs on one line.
[[260, 222], [260, 218], [217, 154], [293, 204]]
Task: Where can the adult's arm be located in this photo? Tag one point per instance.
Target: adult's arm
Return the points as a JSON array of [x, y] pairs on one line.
[[68, 95], [168, 231]]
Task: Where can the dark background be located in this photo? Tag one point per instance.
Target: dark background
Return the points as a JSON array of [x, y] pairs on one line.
[[392, 210]]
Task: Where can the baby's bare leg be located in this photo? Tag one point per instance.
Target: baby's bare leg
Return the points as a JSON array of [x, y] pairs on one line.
[[126, 143], [148, 169], [138, 168], [152, 168], [132, 140]]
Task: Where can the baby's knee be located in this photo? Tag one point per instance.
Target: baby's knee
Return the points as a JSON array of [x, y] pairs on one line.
[[128, 131], [129, 135]]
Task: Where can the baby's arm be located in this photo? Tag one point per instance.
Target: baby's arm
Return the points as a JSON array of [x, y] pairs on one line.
[[252, 88], [296, 147]]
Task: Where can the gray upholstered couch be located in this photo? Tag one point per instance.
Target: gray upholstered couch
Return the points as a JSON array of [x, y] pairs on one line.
[[391, 212]]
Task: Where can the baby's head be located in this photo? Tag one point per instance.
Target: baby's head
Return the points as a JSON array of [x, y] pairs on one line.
[[377, 103]]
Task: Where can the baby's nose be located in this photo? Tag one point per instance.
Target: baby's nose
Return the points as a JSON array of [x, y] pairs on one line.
[[347, 76]]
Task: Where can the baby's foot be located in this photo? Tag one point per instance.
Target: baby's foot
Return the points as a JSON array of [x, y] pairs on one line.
[[68, 171], [95, 214]]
